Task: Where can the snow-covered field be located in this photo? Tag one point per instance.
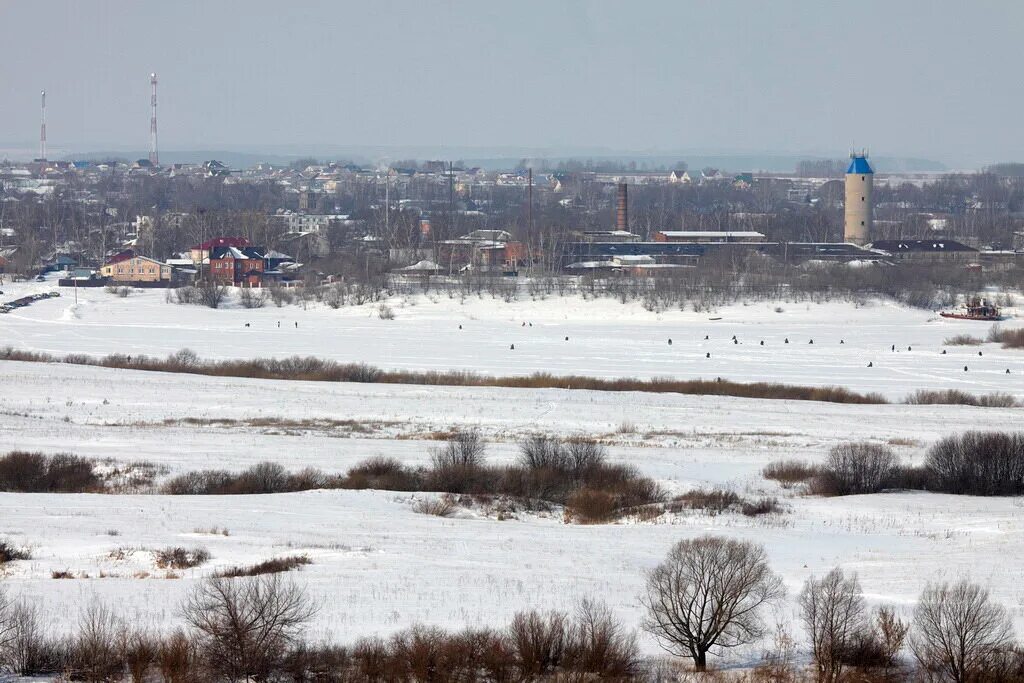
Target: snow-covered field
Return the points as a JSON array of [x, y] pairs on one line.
[[379, 566], [605, 338]]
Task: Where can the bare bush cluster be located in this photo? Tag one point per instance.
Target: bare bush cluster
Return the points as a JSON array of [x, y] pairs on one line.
[[957, 397], [718, 501], [972, 463], [25, 472], [789, 473], [573, 472]]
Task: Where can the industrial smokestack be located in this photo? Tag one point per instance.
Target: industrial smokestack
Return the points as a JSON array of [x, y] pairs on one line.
[[622, 214], [42, 129]]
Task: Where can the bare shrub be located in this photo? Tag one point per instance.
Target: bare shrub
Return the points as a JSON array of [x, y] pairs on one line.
[[37, 473], [1012, 339], [180, 558], [584, 455], [30, 650], [10, 552], [245, 626], [978, 463], [442, 506], [833, 611], [382, 473], [855, 468], [6, 622], [789, 473], [96, 654], [140, 652], [963, 340], [264, 477], [712, 501], [459, 466], [765, 505], [384, 312], [963, 398], [281, 296], [187, 295], [307, 663], [600, 645], [212, 294], [707, 595], [541, 451], [279, 564], [587, 506], [176, 658], [252, 298], [958, 632], [878, 647], [539, 642]]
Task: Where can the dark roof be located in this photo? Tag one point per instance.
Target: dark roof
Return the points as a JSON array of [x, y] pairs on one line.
[[223, 242], [227, 252], [921, 246], [121, 256]]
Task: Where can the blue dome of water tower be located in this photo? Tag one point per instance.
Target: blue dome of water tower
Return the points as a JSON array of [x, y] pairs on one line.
[[859, 164]]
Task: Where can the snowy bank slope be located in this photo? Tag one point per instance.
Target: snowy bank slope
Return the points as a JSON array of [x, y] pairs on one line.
[[605, 338]]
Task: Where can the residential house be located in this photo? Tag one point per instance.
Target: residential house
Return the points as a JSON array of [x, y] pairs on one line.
[[240, 266], [128, 267], [201, 252], [680, 178]]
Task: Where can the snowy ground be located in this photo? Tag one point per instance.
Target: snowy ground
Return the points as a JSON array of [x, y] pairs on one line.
[[378, 566], [605, 338]]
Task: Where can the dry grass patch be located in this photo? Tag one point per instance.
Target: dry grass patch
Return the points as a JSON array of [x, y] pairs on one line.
[[962, 398], [789, 473], [963, 340], [11, 553], [180, 558], [273, 566], [443, 506]]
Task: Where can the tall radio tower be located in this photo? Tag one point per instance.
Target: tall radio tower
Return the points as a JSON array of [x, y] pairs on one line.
[[42, 129], [154, 158]]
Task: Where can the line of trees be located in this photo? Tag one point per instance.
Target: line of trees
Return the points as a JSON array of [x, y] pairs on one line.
[[708, 596]]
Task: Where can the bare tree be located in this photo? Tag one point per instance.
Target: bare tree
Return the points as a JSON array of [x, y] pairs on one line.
[[246, 626], [708, 593], [832, 609], [959, 633], [6, 622]]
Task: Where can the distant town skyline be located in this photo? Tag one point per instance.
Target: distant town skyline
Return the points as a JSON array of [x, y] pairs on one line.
[[932, 80]]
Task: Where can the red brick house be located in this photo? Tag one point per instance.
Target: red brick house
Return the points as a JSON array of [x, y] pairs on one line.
[[240, 266]]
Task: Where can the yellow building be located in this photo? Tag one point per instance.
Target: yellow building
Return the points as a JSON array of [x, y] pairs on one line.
[[136, 269]]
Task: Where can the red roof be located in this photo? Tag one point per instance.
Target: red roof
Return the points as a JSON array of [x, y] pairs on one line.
[[223, 242], [121, 256]]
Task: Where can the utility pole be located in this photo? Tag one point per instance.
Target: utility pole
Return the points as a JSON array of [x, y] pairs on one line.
[[154, 157], [529, 209]]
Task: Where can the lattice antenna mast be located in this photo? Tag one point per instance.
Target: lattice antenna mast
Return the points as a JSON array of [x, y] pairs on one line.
[[154, 158], [42, 128]]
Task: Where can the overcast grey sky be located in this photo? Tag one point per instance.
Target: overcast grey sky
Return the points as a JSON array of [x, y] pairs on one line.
[[931, 78]]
